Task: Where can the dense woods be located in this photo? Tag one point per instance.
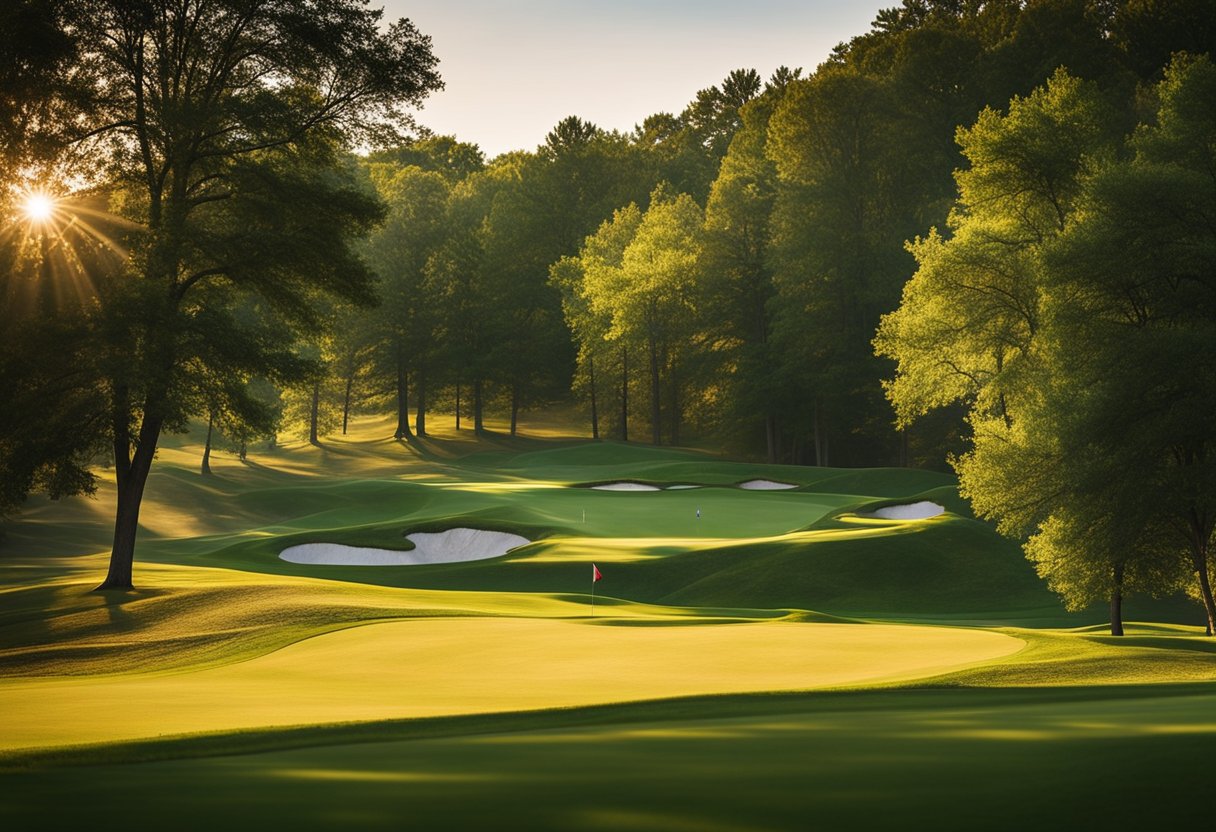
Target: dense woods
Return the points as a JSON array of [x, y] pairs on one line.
[[980, 234]]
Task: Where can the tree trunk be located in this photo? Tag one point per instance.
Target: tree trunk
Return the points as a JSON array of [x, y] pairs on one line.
[[243, 451], [673, 406], [313, 439], [624, 393], [206, 467], [478, 426], [1116, 602], [770, 436], [1199, 557], [818, 436], [458, 405], [595, 416], [420, 417], [132, 475], [403, 396], [350, 380], [514, 407], [656, 434]]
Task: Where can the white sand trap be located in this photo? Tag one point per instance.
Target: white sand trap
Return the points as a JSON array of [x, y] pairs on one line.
[[766, 485], [626, 486], [912, 511], [451, 546], [681, 487]]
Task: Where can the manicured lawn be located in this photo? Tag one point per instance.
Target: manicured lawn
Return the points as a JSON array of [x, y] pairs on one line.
[[784, 661], [928, 759]]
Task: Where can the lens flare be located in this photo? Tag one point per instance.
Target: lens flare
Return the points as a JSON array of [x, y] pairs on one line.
[[38, 207]]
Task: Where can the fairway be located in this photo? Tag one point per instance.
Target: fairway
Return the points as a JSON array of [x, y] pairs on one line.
[[444, 666]]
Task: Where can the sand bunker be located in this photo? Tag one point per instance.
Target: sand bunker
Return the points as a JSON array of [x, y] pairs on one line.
[[911, 511], [626, 486], [451, 546], [766, 485], [681, 487]]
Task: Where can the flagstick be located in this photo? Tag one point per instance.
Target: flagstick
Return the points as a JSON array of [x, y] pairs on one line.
[[593, 594]]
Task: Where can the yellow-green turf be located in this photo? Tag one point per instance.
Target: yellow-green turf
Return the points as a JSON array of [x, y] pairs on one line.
[[782, 662]]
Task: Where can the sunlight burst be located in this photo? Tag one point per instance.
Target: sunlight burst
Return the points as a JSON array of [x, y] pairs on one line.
[[38, 207]]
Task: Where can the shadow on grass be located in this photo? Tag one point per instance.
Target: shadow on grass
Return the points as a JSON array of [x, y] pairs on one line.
[[678, 709]]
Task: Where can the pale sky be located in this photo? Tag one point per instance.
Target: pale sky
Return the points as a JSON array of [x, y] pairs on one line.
[[514, 69]]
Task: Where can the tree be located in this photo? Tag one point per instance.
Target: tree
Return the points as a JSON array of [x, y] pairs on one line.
[[312, 405], [1131, 286], [452, 159], [586, 283], [713, 116], [36, 56], [650, 295], [221, 367], [737, 271], [837, 229], [406, 322], [470, 319], [1066, 310], [220, 125], [51, 430], [964, 328]]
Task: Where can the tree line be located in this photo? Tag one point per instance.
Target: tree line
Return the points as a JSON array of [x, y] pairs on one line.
[[751, 323]]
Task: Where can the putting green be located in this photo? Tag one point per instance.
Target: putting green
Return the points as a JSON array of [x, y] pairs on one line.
[[429, 667]]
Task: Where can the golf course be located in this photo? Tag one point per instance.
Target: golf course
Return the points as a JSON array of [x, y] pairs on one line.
[[747, 668], [607, 417]]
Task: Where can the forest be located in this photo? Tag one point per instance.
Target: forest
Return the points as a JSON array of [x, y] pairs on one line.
[[979, 237]]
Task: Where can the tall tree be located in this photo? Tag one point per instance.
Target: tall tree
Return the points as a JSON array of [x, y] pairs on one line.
[[738, 280], [471, 323], [406, 321], [220, 122], [1131, 286], [837, 256], [981, 323], [586, 283], [650, 296]]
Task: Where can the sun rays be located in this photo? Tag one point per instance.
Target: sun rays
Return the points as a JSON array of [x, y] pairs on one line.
[[59, 248], [38, 207]]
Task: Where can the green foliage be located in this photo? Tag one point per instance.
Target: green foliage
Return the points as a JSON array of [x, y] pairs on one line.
[[635, 283], [837, 228], [234, 180], [1067, 310], [1132, 314], [454, 160], [963, 330], [737, 283]]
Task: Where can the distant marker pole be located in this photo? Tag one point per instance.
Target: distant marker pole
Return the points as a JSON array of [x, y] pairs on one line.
[[595, 576]]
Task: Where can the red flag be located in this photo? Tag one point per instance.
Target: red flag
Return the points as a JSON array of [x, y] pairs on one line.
[[595, 573]]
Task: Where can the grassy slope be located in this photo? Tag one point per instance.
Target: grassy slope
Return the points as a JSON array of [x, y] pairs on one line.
[[1073, 702]]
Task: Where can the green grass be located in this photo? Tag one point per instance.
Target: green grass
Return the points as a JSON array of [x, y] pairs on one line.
[[783, 661], [927, 759]]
